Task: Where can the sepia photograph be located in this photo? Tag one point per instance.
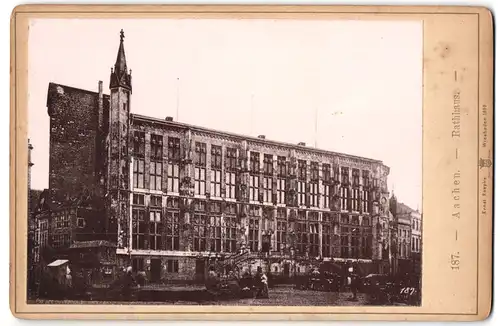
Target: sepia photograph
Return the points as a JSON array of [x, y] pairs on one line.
[[239, 162]]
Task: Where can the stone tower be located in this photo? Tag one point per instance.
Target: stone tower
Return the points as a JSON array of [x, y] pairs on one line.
[[118, 180]]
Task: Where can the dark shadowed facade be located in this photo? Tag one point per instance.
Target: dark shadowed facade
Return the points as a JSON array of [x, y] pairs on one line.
[[170, 199]]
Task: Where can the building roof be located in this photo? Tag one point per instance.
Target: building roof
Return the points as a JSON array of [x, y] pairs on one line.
[[58, 262], [405, 208], [142, 118], [92, 244]]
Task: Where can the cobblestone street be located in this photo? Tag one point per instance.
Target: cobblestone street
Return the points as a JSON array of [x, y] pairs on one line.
[[279, 296], [287, 296]]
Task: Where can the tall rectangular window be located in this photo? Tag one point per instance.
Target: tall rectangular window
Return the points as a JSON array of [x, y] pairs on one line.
[[314, 172], [302, 170], [139, 144], [367, 249], [155, 229], [302, 232], [253, 235], [200, 154], [174, 156], [327, 175], [172, 266], [313, 222], [174, 149], [215, 227], [216, 164], [301, 192], [173, 177], [200, 171], [139, 223], [314, 194], [281, 182], [138, 173], [343, 198], [364, 201], [281, 228], [336, 174], [230, 223], [172, 224], [200, 226], [301, 184], [344, 242], [268, 164], [326, 196], [355, 177], [268, 189], [156, 147], [281, 190], [216, 157], [231, 159], [345, 176], [155, 173], [355, 200], [282, 166], [254, 163], [326, 235], [254, 187], [254, 176], [355, 243], [216, 183], [231, 173], [366, 180]]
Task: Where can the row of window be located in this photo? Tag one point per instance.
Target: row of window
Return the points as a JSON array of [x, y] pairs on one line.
[[404, 251], [172, 265], [404, 233], [200, 160], [60, 240], [61, 221], [230, 208], [307, 194], [211, 233]]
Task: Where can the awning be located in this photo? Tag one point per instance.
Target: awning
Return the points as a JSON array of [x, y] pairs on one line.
[[58, 262]]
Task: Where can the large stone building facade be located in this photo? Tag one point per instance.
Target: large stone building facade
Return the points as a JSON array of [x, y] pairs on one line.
[[176, 198]]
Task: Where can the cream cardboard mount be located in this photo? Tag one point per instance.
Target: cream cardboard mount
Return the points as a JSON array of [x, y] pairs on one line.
[[311, 160]]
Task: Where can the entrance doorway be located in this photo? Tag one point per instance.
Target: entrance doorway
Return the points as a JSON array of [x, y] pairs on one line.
[[155, 270], [286, 270], [200, 270]]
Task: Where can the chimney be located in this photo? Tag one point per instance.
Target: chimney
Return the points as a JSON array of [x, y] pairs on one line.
[[301, 144], [262, 136], [169, 119]]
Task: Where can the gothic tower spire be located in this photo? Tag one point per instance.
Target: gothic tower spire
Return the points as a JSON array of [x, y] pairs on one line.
[[120, 77], [120, 87]]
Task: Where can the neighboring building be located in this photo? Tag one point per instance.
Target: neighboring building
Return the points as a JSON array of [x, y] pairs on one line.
[[416, 231], [408, 230], [416, 241], [175, 198]]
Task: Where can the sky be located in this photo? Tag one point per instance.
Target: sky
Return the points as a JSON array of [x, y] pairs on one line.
[[347, 86]]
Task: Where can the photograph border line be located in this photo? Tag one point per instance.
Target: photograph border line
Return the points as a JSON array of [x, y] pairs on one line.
[[14, 17]]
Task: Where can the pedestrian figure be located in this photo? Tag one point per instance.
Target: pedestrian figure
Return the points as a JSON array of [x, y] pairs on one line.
[[212, 283], [261, 283], [354, 287], [352, 284], [128, 283]]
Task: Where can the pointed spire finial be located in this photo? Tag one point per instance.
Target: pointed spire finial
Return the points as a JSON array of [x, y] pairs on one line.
[[119, 75]]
